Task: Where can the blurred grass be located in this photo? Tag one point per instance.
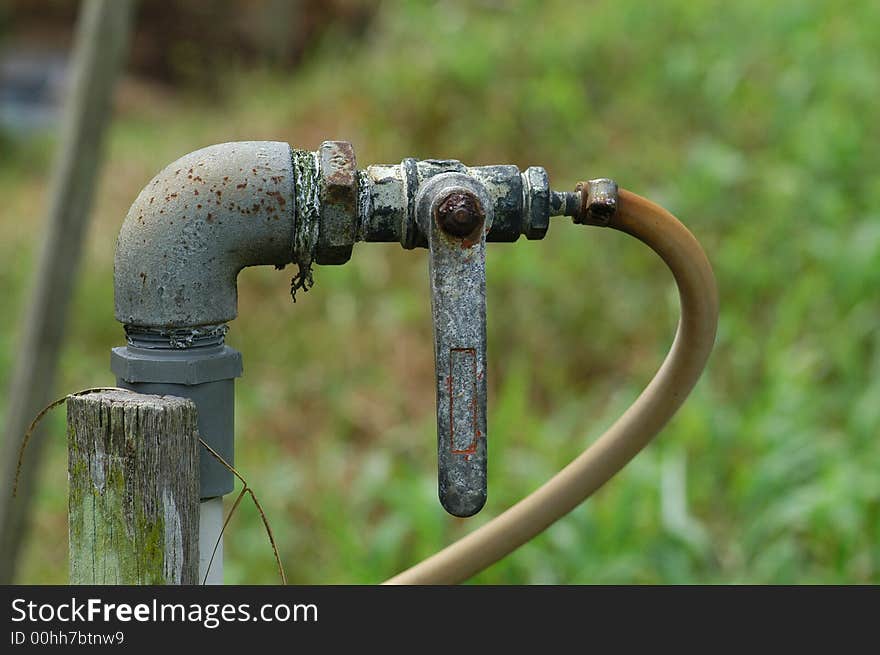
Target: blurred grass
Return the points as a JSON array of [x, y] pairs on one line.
[[753, 121]]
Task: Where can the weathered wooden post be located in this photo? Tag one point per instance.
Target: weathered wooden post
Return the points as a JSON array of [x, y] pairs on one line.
[[133, 466]]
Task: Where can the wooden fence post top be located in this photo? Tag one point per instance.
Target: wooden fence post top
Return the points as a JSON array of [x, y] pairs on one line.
[[124, 396], [133, 468]]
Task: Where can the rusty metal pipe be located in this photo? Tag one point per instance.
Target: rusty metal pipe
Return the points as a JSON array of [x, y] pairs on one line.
[[195, 226]]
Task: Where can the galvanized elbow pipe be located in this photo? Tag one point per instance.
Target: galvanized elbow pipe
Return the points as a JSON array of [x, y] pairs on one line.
[[195, 226]]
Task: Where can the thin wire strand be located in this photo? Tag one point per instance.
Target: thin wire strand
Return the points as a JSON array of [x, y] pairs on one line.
[[222, 531], [247, 489], [39, 417]]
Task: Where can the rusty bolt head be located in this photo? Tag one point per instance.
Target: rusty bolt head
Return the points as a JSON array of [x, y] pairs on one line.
[[460, 213]]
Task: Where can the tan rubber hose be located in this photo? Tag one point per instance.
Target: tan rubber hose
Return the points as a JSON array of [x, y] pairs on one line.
[[681, 369]]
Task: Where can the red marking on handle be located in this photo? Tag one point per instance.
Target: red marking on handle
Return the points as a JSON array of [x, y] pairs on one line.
[[472, 447]]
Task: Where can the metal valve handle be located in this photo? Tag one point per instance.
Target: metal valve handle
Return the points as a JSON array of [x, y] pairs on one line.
[[455, 213]]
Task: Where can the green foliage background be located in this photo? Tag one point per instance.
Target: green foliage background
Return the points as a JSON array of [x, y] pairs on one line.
[[755, 122]]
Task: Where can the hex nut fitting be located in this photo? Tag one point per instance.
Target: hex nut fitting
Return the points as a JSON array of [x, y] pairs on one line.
[[536, 196], [339, 202]]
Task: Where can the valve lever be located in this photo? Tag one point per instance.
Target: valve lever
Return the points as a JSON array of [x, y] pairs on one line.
[[455, 213]]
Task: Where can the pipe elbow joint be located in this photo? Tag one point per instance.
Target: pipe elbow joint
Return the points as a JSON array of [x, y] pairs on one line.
[[195, 226]]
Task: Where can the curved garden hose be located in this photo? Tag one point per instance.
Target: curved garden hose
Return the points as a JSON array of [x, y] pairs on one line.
[[680, 371]]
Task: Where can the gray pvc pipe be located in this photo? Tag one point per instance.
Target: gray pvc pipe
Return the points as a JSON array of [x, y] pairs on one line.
[[210, 526]]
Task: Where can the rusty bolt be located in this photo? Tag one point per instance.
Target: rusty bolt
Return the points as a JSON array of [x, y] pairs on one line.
[[460, 213]]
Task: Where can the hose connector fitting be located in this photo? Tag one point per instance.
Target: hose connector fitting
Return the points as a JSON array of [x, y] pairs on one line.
[[598, 202]]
